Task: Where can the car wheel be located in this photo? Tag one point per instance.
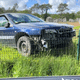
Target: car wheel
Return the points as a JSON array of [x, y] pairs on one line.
[[24, 46]]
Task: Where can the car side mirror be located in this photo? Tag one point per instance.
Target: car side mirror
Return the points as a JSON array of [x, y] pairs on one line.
[[7, 25]]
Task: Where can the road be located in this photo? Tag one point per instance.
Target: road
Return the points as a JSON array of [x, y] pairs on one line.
[[46, 78]]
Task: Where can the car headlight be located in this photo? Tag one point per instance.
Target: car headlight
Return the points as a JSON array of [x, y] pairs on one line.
[[50, 31]]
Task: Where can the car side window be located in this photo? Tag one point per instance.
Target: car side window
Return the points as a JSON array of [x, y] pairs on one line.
[[3, 21]]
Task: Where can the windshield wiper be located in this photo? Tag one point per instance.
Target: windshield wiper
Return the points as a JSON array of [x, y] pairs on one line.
[[21, 22], [26, 22], [35, 21]]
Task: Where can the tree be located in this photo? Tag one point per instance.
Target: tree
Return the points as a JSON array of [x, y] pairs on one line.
[[14, 9], [62, 7], [25, 11], [42, 7], [9, 10], [55, 16], [2, 10], [78, 14], [38, 15], [45, 8], [35, 8], [67, 15], [73, 16]]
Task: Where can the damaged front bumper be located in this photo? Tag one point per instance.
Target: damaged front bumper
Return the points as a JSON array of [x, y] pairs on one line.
[[53, 39], [59, 39]]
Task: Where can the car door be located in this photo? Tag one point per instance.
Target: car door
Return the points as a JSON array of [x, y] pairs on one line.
[[6, 34]]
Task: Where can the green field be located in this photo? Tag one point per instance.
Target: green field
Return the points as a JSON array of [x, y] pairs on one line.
[[58, 61]]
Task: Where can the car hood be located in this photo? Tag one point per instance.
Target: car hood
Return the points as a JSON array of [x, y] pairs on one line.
[[43, 25]]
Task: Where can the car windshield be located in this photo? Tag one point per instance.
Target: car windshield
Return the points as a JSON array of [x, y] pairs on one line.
[[24, 18]]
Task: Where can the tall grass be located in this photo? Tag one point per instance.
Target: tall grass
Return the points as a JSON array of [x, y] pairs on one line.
[[56, 61], [46, 66], [8, 57]]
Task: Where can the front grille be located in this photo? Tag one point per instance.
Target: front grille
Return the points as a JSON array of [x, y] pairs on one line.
[[47, 36], [65, 30], [63, 35]]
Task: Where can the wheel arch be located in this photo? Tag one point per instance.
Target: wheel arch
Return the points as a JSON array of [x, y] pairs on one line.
[[20, 34]]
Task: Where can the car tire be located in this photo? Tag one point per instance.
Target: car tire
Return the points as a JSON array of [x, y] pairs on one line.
[[24, 46]]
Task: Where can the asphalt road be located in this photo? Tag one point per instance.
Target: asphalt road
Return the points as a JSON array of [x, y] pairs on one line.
[[46, 78]]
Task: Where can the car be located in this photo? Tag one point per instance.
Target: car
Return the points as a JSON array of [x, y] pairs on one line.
[[28, 33]]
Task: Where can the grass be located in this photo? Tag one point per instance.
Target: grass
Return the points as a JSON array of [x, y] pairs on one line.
[[58, 61], [42, 64], [77, 27], [75, 39], [9, 54], [46, 66]]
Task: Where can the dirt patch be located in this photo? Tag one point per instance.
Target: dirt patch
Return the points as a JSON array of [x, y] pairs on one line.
[[71, 23]]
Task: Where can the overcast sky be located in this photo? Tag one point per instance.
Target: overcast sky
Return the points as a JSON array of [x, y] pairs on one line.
[[73, 5]]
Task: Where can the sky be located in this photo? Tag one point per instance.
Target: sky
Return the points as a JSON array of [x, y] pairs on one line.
[[73, 5]]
